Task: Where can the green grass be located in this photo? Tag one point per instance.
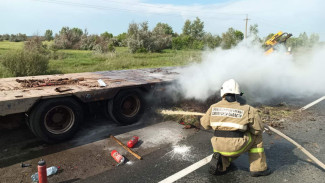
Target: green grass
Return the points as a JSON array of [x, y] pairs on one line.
[[74, 61]]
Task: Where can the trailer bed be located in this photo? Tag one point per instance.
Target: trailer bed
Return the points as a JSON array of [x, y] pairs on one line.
[[16, 98]]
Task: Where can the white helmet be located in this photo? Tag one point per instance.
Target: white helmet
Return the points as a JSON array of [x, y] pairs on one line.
[[229, 87]]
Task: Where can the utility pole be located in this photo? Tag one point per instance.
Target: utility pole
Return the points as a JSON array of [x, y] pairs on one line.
[[246, 26]]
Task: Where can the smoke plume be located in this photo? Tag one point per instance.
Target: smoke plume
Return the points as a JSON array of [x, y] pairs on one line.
[[261, 77]]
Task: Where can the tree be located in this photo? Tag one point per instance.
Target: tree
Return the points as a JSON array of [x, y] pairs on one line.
[[192, 36], [6, 37], [48, 36], [239, 35], [253, 30], [162, 37], [212, 41], [197, 29], [231, 38], [292, 42], [17, 37], [106, 35], [187, 28], [303, 39], [313, 39], [194, 29], [167, 29]]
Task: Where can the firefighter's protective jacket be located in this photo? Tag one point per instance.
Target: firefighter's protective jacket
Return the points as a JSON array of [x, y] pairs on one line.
[[232, 116]]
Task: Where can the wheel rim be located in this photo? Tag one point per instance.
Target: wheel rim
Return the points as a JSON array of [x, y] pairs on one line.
[[59, 119], [130, 106]]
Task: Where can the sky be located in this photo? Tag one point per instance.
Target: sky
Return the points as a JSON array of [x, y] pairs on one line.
[[33, 17]]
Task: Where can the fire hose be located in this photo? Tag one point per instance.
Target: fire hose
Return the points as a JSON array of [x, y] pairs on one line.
[[266, 127]]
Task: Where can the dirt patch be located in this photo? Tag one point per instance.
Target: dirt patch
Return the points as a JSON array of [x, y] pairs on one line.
[[275, 116]]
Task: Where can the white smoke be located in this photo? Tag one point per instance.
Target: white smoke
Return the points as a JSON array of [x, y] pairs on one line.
[[260, 76]]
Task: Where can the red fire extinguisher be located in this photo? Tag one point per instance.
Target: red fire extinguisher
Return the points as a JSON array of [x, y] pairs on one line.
[[133, 141], [42, 174], [117, 157]]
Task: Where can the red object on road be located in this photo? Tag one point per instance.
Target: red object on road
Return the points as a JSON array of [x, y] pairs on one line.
[[133, 141], [117, 157], [42, 174]]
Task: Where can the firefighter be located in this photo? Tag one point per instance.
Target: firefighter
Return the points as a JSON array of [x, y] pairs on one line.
[[237, 129]]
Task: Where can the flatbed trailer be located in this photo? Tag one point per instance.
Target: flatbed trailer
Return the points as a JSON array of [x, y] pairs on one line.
[[54, 105]]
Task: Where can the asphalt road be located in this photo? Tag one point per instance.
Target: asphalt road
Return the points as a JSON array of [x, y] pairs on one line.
[[166, 149], [284, 160]]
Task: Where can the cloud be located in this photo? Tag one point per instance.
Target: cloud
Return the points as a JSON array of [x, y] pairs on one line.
[[293, 16]]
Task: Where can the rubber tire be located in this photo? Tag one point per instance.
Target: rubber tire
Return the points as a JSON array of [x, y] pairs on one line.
[[114, 111], [36, 119]]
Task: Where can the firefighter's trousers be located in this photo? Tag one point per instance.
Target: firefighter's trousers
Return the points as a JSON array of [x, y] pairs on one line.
[[232, 148]]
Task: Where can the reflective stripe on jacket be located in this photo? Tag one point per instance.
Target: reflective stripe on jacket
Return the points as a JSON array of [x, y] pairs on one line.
[[229, 124], [231, 116]]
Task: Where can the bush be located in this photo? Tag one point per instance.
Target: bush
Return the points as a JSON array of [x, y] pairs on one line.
[[178, 43], [141, 39], [197, 45], [68, 38], [122, 39], [99, 44], [25, 63], [36, 44], [111, 47], [88, 42], [182, 42]]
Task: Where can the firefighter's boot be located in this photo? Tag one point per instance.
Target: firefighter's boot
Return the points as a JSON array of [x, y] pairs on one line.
[[215, 164], [261, 173]]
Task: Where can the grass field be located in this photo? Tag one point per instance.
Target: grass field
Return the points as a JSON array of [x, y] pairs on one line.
[[74, 61]]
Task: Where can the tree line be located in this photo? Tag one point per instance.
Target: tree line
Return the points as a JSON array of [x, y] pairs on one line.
[[13, 37], [139, 38]]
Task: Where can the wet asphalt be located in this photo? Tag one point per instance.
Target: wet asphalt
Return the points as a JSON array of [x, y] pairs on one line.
[[287, 163]]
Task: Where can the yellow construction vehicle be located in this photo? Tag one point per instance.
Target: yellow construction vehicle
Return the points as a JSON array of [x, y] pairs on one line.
[[278, 38]]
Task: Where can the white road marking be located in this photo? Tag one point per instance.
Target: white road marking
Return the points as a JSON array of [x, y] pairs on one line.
[[313, 103], [187, 170]]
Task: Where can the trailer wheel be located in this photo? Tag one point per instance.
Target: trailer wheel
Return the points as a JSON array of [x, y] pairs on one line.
[[127, 107], [56, 119]]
